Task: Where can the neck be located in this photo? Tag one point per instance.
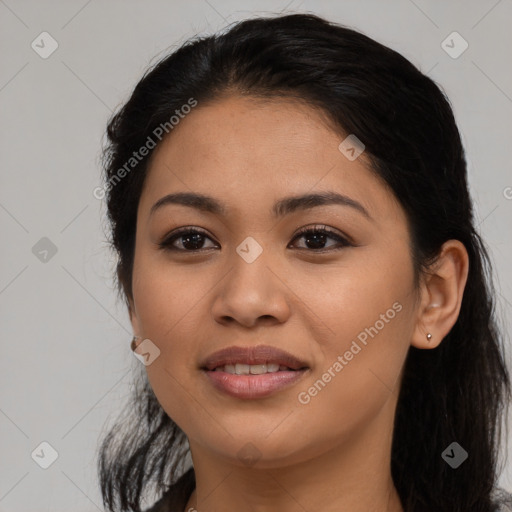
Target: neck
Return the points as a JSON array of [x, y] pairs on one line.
[[353, 476]]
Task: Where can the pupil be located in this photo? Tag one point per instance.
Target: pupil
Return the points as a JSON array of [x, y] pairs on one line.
[[196, 239], [316, 236]]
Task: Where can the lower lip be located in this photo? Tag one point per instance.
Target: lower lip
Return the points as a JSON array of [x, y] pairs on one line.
[[249, 387]]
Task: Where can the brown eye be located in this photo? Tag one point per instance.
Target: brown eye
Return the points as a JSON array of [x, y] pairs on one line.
[[316, 238], [190, 240]]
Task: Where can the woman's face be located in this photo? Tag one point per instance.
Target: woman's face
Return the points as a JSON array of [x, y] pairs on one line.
[[342, 303]]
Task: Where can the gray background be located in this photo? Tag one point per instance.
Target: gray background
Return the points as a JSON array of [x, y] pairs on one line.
[[66, 367]]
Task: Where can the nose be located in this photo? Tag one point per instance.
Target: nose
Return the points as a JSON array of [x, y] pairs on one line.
[[251, 293]]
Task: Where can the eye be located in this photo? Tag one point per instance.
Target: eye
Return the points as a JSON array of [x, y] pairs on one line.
[[190, 239], [316, 237]]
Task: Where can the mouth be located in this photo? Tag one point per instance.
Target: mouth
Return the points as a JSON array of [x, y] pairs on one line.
[[254, 369], [256, 358], [252, 372]]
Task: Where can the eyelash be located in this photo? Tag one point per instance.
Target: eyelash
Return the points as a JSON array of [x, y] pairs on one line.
[[166, 243]]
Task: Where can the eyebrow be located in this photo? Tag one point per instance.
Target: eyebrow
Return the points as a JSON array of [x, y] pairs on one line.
[[281, 208]]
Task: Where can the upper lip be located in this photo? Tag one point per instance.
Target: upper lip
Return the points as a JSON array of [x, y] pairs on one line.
[[260, 354]]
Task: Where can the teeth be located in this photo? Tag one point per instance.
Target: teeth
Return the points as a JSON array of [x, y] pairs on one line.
[[242, 369], [257, 369], [251, 369]]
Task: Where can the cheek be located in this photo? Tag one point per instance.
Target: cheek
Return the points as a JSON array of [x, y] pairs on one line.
[[165, 297], [167, 304], [351, 297], [358, 375], [170, 313], [368, 306]]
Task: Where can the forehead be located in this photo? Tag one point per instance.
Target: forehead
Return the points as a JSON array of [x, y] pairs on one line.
[[251, 129], [255, 150]]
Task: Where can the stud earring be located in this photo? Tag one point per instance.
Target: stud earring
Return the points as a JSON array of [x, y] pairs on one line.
[[429, 336]]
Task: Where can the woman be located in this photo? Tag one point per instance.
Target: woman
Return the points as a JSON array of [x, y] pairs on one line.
[[308, 293]]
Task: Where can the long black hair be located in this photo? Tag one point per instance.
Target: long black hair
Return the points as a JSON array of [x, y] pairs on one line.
[[457, 392]]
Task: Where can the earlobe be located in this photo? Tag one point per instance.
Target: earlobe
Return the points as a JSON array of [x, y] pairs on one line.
[[442, 289]]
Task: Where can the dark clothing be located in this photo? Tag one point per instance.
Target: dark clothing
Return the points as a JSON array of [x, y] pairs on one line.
[[176, 498]]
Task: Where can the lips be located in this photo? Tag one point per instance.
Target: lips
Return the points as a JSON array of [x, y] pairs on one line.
[[258, 355], [251, 373]]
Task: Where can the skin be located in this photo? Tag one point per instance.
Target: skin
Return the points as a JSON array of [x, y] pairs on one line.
[[332, 453]]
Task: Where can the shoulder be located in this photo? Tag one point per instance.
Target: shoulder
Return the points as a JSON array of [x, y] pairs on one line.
[[502, 500], [176, 498]]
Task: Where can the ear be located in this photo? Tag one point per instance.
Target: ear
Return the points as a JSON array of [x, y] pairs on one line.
[[441, 294]]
